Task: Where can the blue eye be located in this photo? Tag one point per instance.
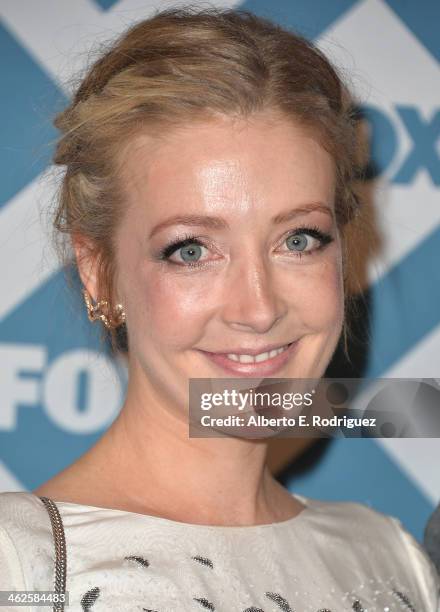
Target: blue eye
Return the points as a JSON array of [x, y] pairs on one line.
[[301, 240], [191, 252], [297, 242]]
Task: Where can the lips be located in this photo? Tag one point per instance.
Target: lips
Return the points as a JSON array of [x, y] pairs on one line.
[[256, 364]]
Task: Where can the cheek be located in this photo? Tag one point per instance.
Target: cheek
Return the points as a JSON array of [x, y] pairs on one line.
[[322, 295], [171, 307]]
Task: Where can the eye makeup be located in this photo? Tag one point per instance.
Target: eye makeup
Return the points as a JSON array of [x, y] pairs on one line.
[[165, 252], [179, 243]]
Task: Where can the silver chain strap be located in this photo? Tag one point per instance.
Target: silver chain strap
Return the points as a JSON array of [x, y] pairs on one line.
[[60, 550]]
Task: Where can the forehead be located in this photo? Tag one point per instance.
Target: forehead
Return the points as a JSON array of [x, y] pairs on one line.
[[221, 162]]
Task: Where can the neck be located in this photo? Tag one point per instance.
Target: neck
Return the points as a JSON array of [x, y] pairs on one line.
[[146, 463]]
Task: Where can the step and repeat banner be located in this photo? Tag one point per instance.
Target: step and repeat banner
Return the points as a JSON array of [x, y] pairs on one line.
[[59, 391]]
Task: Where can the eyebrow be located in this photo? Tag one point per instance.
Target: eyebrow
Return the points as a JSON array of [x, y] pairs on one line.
[[218, 223]]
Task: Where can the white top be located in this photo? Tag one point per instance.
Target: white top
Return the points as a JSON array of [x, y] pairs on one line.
[[327, 558]]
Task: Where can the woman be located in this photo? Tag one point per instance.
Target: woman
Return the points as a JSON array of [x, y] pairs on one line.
[[209, 177]]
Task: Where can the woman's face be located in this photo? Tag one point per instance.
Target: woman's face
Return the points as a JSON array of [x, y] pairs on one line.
[[229, 246]]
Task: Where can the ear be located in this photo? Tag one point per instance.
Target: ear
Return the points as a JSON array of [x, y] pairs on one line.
[[87, 262]]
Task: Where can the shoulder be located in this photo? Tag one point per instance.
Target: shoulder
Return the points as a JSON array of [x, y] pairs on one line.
[[26, 541], [12, 502], [23, 513], [356, 520], [432, 537], [369, 536]]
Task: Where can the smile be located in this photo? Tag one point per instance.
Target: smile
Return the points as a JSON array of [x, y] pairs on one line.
[[243, 363], [256, 358]]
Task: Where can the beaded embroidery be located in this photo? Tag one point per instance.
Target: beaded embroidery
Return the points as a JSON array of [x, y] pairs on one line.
[[404, 599], [282, 603], [140, 560], [205, 603], [89, 598], [204, 561]]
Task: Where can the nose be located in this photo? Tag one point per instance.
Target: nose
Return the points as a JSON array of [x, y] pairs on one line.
[[252, 302]]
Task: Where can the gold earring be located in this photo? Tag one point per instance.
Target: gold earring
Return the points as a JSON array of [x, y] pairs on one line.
[[112, 318]]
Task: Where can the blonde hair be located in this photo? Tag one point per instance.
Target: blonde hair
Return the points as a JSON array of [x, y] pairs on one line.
[[175, 67]]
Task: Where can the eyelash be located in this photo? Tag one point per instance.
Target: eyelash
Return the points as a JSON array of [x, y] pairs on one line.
[[187, 239]]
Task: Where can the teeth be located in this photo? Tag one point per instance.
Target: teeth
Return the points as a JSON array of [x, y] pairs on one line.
[[256, 358]]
